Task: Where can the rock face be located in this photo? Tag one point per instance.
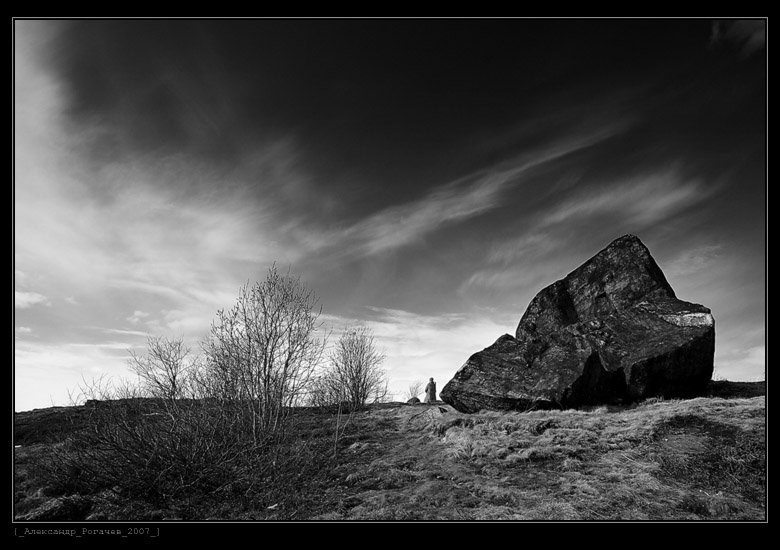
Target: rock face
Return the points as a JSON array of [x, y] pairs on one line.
[[611, 330]]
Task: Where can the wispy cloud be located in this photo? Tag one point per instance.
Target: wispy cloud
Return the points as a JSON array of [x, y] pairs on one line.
[[20, 277], [645, 200], [111, 345], [625, 205], [743, 364], [153, 235], [452, 202], [159, 237], [523, 247], [124, 332], [418, 346], [137, 316], [24, 300], [402, 225], [694, 261], [747, 34]]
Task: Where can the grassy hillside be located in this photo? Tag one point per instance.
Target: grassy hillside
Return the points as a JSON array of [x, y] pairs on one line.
[[698, 459]]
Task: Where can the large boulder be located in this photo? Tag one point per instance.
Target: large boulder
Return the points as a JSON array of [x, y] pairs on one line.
[[611, 330]]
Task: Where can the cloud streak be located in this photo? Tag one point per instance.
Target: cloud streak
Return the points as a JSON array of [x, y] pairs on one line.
[[137, 316], [137, 232], [748, 34], [695, 261], [644, 200], [24, 300], [454, 202], [625, 205], [144, 240]]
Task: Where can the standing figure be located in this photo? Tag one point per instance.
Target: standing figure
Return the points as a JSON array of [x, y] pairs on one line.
[[430, 392]]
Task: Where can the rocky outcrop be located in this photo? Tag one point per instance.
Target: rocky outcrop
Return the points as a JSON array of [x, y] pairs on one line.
[[413, 401], [611, 330]]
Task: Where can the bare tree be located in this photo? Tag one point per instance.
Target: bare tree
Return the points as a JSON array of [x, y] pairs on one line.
[[102, 388], [221, 425], [262, 352], [163, 371], [356, 371], [323, 391], [414, 389]]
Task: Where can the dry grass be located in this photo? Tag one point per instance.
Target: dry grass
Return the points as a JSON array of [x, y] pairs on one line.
[[699, 459], [694, 459]]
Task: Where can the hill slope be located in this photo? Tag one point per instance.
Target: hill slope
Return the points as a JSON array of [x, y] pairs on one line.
[[692, 459]]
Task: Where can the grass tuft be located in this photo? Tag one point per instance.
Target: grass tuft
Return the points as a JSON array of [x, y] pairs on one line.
[[698, 459]]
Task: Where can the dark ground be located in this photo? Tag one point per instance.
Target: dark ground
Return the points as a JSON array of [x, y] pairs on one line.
[[697, 459]]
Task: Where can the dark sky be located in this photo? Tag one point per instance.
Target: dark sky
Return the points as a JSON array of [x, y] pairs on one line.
[[425, 177]]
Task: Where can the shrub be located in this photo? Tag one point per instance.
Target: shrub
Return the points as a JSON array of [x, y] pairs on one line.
[[202, 427], [355, 375]]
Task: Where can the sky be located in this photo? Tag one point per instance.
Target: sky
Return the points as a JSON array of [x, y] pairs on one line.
[[426, 178]]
